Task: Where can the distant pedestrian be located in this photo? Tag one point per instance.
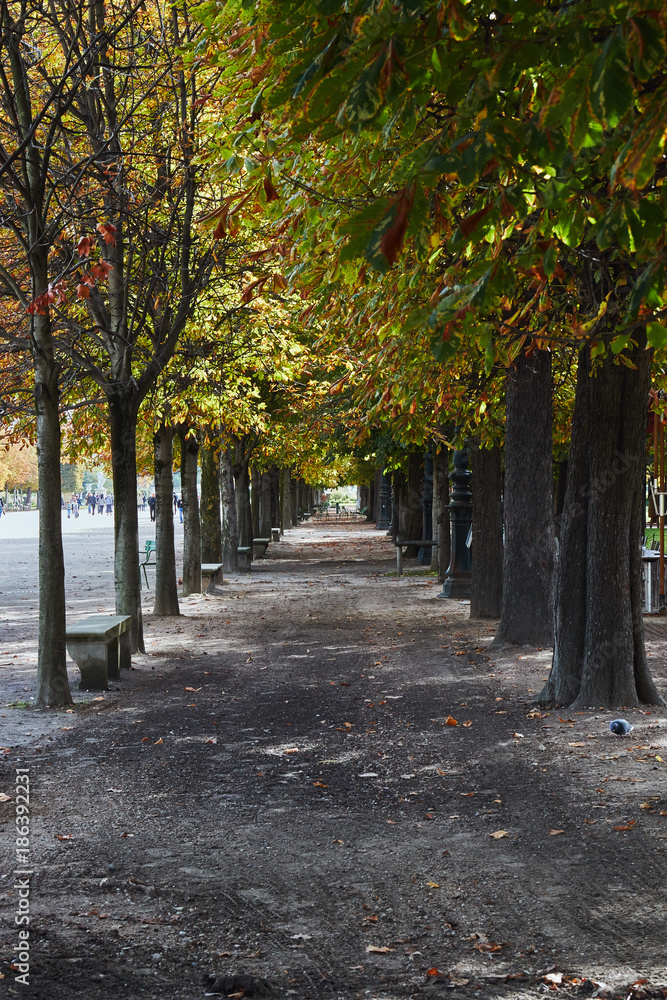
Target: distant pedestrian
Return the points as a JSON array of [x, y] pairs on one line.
[[69, 509], [175, 503], [180, 508], [109, 504], [2, 506], [100, 504], [151, 507]]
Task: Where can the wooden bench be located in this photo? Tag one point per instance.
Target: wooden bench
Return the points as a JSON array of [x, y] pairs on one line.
[[259, 547], [149, 556], [245, 557], [401, 544], [211, 574], [100, 646], [275, 534]]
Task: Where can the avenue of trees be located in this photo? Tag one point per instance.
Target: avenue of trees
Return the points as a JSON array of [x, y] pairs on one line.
[[288, 235]]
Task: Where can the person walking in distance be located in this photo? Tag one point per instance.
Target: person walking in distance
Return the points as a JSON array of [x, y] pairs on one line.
[[151, 507], [180, 509]]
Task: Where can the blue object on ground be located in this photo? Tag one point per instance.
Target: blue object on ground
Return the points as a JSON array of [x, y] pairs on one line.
[[620, 727]]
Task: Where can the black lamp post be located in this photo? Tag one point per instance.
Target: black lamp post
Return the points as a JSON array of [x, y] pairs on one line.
[[457, 577], [384, 520]]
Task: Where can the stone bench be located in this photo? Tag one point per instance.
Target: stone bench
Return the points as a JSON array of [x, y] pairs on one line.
[[401, 544], [259, 547], [211, 574], [100, 646], [245, 557]]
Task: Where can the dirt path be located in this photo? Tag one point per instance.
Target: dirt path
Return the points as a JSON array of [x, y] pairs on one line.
[[278, 791]]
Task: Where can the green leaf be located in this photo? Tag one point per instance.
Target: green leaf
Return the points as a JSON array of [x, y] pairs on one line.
[[611, 89], [656, 334]]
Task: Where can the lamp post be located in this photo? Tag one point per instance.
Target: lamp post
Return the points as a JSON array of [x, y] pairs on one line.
[[384, 520], [457, 577]]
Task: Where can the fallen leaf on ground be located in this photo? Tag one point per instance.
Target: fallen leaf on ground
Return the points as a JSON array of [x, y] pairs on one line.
[[553, 977], [320, 784], [432, 972], [193, 689], [488, 946], [64, 836], [468, 724], [554, 833], [628, 826], [518, 736], [579, 744], [158, 741], [566, 722], [450, 721], [4, 798], [433, 885], [498, 834], [457, 981], [379, 950]]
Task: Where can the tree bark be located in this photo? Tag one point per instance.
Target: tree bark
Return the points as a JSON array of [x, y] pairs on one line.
[[265, 523], [191, 523], [52, 684], [230, 536], [487, 533], [211, 525], [166, 586], [255, 500], [242, 489], [599, 656], [441, 511], [410, 514], [274, 481], [294, 500], [527, 603], [285, 500], [123, 408]]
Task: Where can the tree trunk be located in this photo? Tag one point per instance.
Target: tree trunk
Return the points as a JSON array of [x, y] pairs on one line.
[[487, 533], [274, 481], [599, 656], [211, 526], [123, 408], [410, 514], [265, 522], [191, 523], [442, 533], [52, 684], [166, 587], [230, 535], [285, 500], [527, 604], [294, 501], [255, 500], [242, 489]]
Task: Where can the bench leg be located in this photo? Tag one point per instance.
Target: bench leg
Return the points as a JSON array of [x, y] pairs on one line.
[[143, 566], [114, 659], [208, 582], [125, 651], [399, 560], [92, 659]]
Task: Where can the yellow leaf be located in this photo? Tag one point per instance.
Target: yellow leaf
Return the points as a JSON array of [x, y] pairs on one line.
[[379, 951], [498, 834], [433, 885], [554, 833], [158, 741]]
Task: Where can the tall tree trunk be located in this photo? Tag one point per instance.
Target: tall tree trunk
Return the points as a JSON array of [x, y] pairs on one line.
[[191, 523], [274, 480], [255, 500], [166, 586], [487, 533], [242, 488], [123, 408], [441, 525], [599, 656], [285, 499], [211, 526], [527, 604], [52, 684], [294, 500], [230, 535], [265, 522], [410, 515]]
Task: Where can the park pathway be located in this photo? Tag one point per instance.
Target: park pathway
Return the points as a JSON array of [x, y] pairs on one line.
[[324, 778]]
